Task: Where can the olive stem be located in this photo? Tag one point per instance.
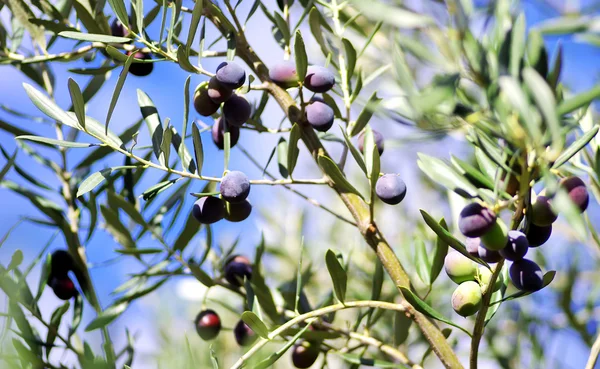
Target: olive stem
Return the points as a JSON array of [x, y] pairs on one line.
[[594, 353], [314, 314]]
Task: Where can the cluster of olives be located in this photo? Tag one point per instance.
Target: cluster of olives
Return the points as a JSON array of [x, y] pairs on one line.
[[489, 239], [232, 205], [208, 323], [219, 91], [137, 69], [60, 265]]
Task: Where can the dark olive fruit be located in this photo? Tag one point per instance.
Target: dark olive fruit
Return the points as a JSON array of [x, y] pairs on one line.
[[141, 69], [231, 75], [236, 268], [390, 189], [238, 212], [378, 137], [475, 220], [281, 3], [472, 245], [218, 134], [61, 263], [466, 299], [319, 79], [462, 110], [208, 209], [235, 187], [237, 110], [118, 29], [217, 92], [489, 256], [63, 287], [537, 235], [319, 115], [203, 103], [459, 268], [526, 275], [208, 324], [244, 336], [516, 247], [284, 74], [541, 212], [577, 191], [305, 354], [496, 237]]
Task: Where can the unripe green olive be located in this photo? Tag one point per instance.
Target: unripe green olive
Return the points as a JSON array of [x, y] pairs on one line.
[[466, 299], [483, 277], [459, 268], [496, 238]]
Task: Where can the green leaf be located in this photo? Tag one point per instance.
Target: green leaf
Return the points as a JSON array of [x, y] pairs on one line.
[[16, 260], [184, 61], [448, 238], [269, 361], [293, 151], [365, 115], [157, 188], [91, 37], [283, 27], [315, 22], [48, 107], [571, 212], [427, 310], [186, 117], [95, 179], [580, 100], [282, 155], [118, 88], [107, 316], [52, 141], [54, 324], [441, 249], [127, 207], [517, 45], [363, 361], [184, 155], [474, 176], [192, 226], [139, 251], [85, 16], [548, 278], [392, 15], [150, 114], [371, 159], [358, 157], [139, 16], [22, 13], [201, 275], [338, 275], [198, 149], [575, 147], [335, 174], [422, 262], [78, 102], [118, 6], [196, 14], [116, 228], [350, 59], [165, 145], [255, 324], [441, 173], [402, 325], [300, 55], [519, 101]]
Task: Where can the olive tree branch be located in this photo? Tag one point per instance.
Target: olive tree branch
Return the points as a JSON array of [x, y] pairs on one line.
[[594, 353], [355, 204]]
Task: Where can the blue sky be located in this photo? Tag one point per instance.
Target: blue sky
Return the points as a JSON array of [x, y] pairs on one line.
[[165, 87]]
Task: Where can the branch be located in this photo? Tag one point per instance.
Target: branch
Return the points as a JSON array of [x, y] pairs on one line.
[[595, 352], [355, 204]]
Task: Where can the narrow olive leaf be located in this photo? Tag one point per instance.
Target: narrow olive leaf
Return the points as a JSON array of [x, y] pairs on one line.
[[22, 13], [357, 155], [441, 249], [443, 174], [150, 114], [372, 159], [402, 325], [300, 55], [77, 314], [16, 260], [547, 279], [544, 99], [91, 37], [192, 226], [186, 115], [255, 324], [519, 101], [314, 21], [377, 281], [198, 150], [447, 237], [365, 115], [350, 58], [335, 174], [571, 212], [116, 228], [427, 310], [184, 61], [423, 265], [580, 100], [156, 189], [366, 362], [127, 207], [282, 155], [201, 275], [165, 145], [77, 100], [476, 177], [269, 361], [118, 88], [498, 295], [95, 179], [139, 251], [283, 27], [293, 151], [517, 45], [575, 147], [48, 106], [554, 74], [7, 166], [118, 6], [338, 275], [55, 320], [139, 16], [107, 316], [52, 141], [196, 14], [186, 158]]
